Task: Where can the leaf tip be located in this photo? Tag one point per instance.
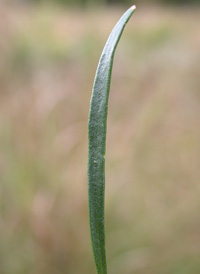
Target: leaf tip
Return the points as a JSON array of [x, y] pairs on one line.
[[133, 7]]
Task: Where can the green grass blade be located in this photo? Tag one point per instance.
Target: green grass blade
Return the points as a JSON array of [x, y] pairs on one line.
[[97, 139]]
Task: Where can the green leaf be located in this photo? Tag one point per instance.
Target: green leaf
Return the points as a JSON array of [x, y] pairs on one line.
[[97, 139]]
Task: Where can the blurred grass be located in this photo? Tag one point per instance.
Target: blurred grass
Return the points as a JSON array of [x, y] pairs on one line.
[[48, 60]]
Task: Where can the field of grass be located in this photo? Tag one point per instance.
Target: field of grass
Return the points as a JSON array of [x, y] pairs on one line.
[[48, 61]]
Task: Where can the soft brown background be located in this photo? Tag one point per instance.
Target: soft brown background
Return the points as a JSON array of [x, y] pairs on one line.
[[48, 58]]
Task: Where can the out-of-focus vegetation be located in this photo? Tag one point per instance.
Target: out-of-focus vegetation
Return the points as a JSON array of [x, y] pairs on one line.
[[118, 2], [48, 60]]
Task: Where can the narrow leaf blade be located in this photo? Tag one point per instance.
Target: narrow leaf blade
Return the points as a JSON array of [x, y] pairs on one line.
[[97, 139]]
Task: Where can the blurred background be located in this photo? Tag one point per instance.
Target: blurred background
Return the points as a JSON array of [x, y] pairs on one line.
[[49, 52]]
